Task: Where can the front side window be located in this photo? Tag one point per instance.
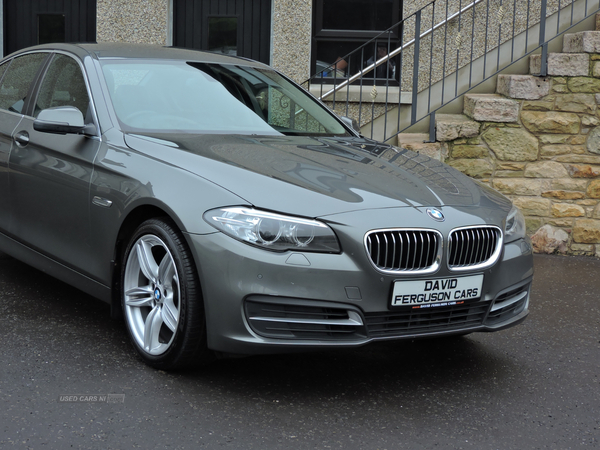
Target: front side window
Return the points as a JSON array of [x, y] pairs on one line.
[[17, 81], [63, 85], [213, 98]]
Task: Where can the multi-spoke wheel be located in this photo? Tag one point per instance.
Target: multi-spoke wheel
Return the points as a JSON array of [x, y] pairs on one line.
[[161, 297]]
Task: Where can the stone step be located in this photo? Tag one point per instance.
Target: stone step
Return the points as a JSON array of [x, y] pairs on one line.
[[598, 22], [453, 126], [582, 42], [417, 142], [562, 64], [491, 108], [525, 87]]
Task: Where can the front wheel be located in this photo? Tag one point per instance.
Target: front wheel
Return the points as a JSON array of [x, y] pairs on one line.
[[161, 298]]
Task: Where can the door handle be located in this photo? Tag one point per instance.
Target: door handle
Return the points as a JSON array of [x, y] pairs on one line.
[[22, 138]]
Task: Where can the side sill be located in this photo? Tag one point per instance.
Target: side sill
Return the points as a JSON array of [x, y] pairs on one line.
[[55, 269]]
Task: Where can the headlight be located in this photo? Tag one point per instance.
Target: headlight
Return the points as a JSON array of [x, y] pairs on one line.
[[274, 231], [515, 225]]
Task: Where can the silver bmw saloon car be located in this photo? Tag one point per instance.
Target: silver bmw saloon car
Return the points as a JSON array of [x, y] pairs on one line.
[[220, 209]]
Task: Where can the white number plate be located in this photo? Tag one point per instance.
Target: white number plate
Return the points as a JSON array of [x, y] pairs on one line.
[[436, 292]]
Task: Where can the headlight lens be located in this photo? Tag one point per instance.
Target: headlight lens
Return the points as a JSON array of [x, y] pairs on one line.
[[515, 225], [274, 231]]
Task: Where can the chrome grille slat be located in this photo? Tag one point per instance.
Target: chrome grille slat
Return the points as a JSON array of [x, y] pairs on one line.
[[404, 250], [473, 247]]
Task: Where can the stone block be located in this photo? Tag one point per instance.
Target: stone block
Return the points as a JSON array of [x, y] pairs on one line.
[[584, 84], [476, 168], [567, 210], [545, 169], [584, 159], [491, 108], [596, 69], [517, 186], [546, 139], [582, 42], [538, 105], [550, 122], [509, 173], [549, 240], [593, 190], [589, 121], [587, 202], [583, 171], [561, 149], [525, 87], [593, 141], [562, 64], [582, 249], [511, 144], [596, 212], [470, 151], [417, 143], [563, 195], [586, 231], [532, 206], [569, 184], [560, 88], [454, 126], [577, 103]]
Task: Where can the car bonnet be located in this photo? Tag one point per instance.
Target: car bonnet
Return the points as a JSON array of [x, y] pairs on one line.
[[313, 177]]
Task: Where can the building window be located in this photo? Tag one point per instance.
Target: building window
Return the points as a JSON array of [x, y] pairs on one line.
[[341, 26], [51, 28], [223, 35]]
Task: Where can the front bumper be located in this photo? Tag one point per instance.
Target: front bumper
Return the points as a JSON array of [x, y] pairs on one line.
[[260, 302]]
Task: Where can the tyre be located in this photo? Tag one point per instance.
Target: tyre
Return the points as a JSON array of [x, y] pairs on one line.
[[161, 298]]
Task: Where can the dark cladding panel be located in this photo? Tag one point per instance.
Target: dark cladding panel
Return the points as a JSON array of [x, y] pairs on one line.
[[22, 22], [193, 18]]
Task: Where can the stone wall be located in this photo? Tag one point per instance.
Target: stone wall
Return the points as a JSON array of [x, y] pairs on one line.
[[547, 159]]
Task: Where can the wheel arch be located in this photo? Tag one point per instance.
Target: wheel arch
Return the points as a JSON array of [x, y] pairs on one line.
[[132, 221]]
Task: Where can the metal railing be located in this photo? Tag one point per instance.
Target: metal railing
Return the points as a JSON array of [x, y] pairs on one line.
[[465, 43]]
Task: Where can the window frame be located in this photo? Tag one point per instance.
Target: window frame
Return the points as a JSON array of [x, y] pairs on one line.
[[357, 37]]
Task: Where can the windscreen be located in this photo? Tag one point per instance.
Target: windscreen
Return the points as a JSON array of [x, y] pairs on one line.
[[213, 98]]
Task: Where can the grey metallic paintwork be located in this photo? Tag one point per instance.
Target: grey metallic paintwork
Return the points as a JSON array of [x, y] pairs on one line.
[[134, 171], [232, 271], [323, 175], [8, 124]]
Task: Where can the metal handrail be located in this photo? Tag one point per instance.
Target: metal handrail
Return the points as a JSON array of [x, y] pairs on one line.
[[400, 49], [454, 69]]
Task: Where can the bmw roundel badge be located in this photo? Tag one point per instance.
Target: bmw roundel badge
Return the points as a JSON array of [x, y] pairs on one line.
[[435, 214]]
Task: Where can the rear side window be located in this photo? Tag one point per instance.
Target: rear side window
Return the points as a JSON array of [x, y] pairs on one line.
[[17, 81], [63, 85]]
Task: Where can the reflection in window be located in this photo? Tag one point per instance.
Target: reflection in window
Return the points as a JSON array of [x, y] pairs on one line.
[[63, 85], [341, 26], [222, 35], [51, 28], [17, 80]]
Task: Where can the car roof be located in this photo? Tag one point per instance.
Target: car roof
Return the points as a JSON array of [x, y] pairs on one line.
[[118, 50]]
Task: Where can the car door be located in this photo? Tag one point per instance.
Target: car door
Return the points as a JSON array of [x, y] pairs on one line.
[[16, 78], [50, 173]]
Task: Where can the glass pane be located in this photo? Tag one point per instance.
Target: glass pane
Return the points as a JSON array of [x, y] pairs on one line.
[[3, 68], [213, 98], [15, 85], [51, 28], [222, 35], [373, 15], [63, 85]]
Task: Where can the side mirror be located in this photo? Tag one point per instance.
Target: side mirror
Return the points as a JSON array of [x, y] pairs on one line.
[[351, 123], [62, 120]]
